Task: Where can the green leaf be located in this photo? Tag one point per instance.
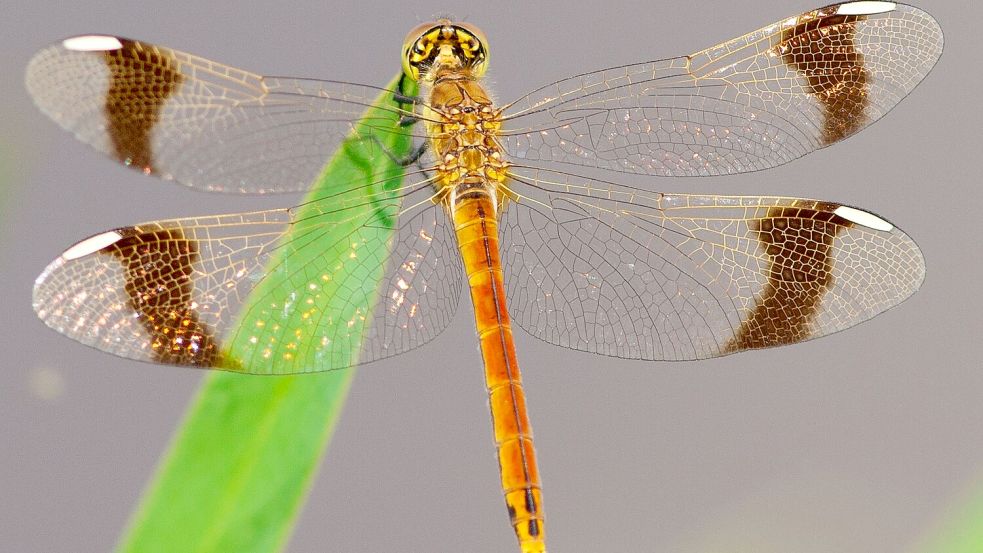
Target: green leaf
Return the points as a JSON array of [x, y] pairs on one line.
[[962, 532], [240, 466]]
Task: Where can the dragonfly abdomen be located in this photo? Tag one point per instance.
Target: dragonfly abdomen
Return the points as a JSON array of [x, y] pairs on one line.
[[475, 223]]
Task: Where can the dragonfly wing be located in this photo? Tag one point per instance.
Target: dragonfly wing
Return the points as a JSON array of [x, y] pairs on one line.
[[754, 102], [196, 121], [267, 292], [605, 268]]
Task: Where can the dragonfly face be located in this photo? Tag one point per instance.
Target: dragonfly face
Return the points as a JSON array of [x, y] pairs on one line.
[[444, 44], [617, 267]]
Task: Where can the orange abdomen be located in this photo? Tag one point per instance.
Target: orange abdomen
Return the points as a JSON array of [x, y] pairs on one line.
[[476, 226]]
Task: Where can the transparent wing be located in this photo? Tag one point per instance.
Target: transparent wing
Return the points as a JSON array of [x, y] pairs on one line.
[[606, 268], [324, 286], [201, 123], [754, 102]]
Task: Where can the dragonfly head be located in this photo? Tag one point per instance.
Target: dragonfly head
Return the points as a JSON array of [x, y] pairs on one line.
[[443, 43]]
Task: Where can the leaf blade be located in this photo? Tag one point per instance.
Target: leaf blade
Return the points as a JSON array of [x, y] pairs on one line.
[[238, 469]]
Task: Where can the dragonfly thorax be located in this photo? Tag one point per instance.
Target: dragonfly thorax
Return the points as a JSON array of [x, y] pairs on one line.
[[463, 127]]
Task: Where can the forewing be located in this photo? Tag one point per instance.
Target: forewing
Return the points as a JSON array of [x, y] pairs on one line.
[[606, 268], [751, 103], [196, 121], [268, 292]]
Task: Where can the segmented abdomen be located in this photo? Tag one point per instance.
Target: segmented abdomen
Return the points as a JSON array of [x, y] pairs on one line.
[[476, 227]]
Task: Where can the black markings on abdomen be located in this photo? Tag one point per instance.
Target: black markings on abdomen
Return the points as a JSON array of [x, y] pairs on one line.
[[531, 502]]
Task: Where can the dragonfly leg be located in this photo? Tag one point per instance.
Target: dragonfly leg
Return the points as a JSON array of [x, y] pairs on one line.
[[416, 156], [411, 101], [408, 120], [413, 157], [401, 98]]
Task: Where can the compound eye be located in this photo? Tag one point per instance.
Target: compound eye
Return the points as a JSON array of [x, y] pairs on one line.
[[417, 32], [413, 47], [477, 33], [478, 46]]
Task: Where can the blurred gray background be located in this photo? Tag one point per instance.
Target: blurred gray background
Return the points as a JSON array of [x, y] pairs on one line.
[[865, 441]]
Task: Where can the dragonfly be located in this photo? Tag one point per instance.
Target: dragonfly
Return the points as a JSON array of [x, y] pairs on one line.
[[543, 206]]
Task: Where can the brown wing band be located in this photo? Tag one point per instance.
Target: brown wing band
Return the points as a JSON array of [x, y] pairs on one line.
[[142, 79], [158, 271], [823, 50], [798, 243]]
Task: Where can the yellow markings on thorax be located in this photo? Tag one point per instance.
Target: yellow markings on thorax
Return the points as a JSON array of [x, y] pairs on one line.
[[463, 127]]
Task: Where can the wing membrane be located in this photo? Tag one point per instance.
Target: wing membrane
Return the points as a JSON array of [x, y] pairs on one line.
[[751, 103], [269, 292], [607, 268], [196, 121]]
